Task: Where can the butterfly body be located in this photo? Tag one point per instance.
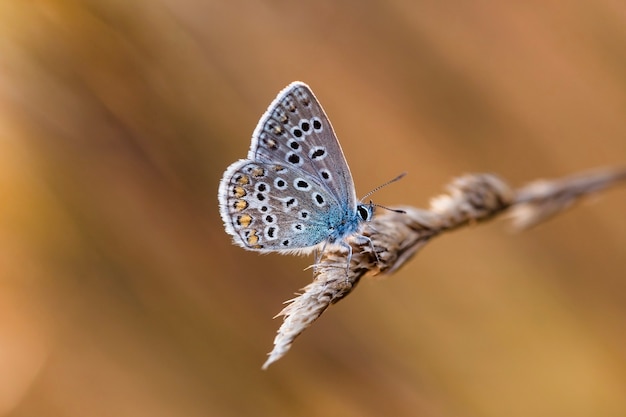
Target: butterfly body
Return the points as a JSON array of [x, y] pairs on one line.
[[294, 193]]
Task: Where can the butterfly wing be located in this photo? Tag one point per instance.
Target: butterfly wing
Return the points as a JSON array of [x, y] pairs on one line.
[[271, 207], [295, 132]]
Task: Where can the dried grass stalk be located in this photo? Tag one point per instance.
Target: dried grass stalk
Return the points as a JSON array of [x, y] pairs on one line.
[[396, 237]]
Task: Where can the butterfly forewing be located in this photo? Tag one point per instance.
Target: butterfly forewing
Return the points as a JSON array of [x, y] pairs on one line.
[[296, 132]]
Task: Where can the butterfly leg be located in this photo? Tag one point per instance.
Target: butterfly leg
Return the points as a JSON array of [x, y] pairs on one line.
[[318, 257], [346, 245], [349, 258], [360, 239]]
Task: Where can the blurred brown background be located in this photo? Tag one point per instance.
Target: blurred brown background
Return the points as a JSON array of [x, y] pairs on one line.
[[121, 295]]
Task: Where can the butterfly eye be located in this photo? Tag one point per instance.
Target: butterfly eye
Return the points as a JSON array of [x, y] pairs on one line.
[[364, 212]]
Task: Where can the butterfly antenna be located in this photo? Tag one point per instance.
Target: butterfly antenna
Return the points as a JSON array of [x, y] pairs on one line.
[[390, 209], [399, 177]]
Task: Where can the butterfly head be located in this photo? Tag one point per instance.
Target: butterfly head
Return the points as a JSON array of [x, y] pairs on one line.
[[365, 211]]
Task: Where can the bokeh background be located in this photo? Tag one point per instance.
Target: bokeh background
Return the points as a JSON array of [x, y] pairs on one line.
[[121, 295]]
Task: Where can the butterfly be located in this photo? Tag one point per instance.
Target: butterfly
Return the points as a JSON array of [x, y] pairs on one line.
[[294, 193]]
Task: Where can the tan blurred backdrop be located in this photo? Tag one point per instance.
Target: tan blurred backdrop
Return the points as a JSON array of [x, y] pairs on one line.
[[121, 295]]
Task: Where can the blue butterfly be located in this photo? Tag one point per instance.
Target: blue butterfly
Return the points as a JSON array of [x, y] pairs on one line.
[[294, 193]]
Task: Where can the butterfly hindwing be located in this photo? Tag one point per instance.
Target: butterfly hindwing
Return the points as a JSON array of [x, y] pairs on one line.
[[271, 207]]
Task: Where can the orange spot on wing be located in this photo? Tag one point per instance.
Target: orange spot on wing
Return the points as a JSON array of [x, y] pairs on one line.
[[240, 205]]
